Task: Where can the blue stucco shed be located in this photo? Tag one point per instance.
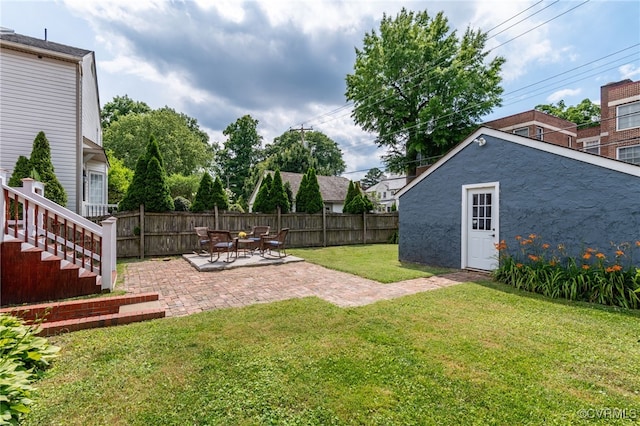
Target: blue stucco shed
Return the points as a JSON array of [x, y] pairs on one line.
[[495, 186]]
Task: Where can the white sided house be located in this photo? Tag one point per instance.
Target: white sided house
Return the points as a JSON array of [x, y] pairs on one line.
[[50, 87]]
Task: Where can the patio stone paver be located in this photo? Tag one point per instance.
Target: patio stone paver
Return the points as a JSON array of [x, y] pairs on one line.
[[184, 290]]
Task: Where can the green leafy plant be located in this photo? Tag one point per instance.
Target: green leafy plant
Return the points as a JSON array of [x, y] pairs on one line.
[[23, 357], [593, 276]]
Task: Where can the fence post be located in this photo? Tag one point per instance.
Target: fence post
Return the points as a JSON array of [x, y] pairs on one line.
[[108, 252], [279, 219], [324, 227], [364, 227], [215, 217], [141, 231]]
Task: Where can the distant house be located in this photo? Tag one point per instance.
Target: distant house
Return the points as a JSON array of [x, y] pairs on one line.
[[617, 136], [384, 192], [497, 185], [332, 188], [51, 87]]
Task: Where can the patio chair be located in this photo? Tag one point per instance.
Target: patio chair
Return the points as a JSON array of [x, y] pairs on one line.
[[202, 246], [222, 242], [277, 243], [256, 235]]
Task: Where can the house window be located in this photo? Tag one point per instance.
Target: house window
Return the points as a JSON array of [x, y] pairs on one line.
[[630, 154], [539, 133], [384, 195], [523, 131], [628, 116], [96, 188], [592, 147]]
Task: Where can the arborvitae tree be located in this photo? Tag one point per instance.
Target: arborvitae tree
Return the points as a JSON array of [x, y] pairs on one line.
[[219, 195], [157, 195], [289, 191], [301, 195], [314, 202], [204, 197], [351, 192], [263, 198], [357, 205], [135, 193], [153, 150], [21, 170], [394, 207], [40, 161], [278, 195]]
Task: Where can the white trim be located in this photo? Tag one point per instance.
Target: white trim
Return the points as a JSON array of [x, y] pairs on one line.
[[596, 160], [618, 129], [495, 220], [623, 147], [624, 101], [538, 124]]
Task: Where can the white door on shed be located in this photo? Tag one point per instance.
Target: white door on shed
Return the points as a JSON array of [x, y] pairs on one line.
[[480, 226]]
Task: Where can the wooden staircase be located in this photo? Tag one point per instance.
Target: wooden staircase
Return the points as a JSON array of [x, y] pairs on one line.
[[29, 274]]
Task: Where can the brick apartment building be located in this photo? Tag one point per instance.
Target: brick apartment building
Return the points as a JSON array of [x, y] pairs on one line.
[[617, 136]]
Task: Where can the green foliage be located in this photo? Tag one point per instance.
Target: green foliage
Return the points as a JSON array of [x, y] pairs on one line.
[[302, 195], [289, 191], [204, 200], [219, 195], [288, 153], [184, 186], [593, 277], [157, 196], [240, 153], [149, 185], [394, 207], [40, 161], [314, 203], [351, 193], [182, 145], [181, 204], [372, 177], [21, 170], [120, 178], [119, 107], [278, 194], [420, 88], [262, 203], [585, 114], [23, 357]]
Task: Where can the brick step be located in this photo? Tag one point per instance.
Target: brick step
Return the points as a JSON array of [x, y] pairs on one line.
[[76, 315]]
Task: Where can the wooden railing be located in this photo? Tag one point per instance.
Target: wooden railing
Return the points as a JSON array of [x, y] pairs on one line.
[[26, 215]]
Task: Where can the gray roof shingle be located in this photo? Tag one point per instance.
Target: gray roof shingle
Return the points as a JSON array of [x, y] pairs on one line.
[[332, 188], [43, 44]]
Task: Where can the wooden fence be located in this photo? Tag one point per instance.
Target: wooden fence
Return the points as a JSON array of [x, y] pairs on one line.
[[141, 234]]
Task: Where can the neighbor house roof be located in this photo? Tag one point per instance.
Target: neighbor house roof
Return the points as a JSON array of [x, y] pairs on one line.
[[21, 42], [585, 157], [332, 188]]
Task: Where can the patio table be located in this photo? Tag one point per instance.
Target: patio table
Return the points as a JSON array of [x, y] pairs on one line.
[[247, 245]]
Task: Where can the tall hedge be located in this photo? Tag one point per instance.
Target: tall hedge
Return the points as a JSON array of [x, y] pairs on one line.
[[262, 204], [204, 197], [315, 204], [220, 198], [157, 194], [21, 170], [40, 161], [301, 195], [135, 192], [351, 192], [278, 194]]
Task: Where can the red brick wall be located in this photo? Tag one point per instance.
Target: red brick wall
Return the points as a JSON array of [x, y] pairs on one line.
[[610, 93], [549, 123]]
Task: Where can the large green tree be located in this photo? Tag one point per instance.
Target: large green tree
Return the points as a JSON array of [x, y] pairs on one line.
[[420, 88], [290, 153], [372, 177], [40, 162], [585, 114], [240, 153], [120, 106], [183, 147], [120, 178]]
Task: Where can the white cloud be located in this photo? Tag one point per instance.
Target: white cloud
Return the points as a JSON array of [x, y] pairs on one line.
[[629, 71], [563, 94]]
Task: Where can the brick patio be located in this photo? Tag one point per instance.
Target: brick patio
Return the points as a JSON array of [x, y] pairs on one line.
[[184, 290]]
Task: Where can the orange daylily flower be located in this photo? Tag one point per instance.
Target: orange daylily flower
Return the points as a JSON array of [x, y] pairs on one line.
[[532, 236], [587, 256], [502, 245], [518, 238], [519, 265], [534, 257], [614, 268], [590, 250], [600, 255], [619, 253], [545, 246], [585, 267], [637, 243], [552, 263]]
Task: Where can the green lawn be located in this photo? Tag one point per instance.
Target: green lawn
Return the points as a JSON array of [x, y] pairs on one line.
[[475, 353], [377, 262]]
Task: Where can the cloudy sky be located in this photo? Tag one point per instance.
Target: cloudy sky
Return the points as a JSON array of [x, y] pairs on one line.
[[285, 62]]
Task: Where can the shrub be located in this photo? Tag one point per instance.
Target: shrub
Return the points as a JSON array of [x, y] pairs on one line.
[[23, 357], [40, 161], [181, 204], [157, 195], [593, 276]]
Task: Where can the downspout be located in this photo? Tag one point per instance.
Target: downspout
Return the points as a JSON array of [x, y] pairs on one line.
[[79, 183]]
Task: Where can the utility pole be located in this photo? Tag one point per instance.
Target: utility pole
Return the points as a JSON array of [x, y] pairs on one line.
[[301, 130]]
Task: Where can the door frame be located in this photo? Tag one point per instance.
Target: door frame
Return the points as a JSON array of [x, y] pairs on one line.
[[495, 219]]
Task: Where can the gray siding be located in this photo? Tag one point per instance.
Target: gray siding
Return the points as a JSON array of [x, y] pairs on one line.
[[561, 199]]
